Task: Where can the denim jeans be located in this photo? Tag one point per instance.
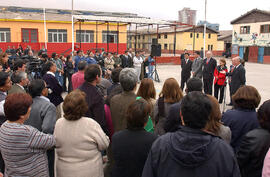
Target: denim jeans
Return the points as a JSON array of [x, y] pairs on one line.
[[150, 71], [59, 78]]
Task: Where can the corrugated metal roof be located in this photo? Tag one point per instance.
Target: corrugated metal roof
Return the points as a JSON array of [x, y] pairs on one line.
[[122, 20]]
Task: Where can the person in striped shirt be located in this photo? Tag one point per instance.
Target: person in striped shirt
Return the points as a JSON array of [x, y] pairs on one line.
[[23, 147]]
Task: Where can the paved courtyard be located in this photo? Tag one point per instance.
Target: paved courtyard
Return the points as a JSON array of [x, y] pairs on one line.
[[257, 75]]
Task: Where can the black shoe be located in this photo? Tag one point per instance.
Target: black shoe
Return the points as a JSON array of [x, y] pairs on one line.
[[230, 104]]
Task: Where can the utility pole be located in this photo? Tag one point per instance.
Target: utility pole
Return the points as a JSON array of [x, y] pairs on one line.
[[72, 30], [45, 28], [204, 31]]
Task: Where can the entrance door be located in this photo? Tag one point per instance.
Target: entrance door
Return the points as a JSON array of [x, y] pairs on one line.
[[30, 37], [241, 52], [246, 53], [260, 54]]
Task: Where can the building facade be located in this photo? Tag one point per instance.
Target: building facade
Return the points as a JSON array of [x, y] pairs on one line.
[[214, 26], [187, 16], [251, 36], [26, 27], [190, 38]]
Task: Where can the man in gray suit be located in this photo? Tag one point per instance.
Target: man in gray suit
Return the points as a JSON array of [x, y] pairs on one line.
[[197, 66], [42, 115], [20, 81]]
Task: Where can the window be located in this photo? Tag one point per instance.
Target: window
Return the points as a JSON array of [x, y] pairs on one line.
[[265, 28], [165, 46], [159, 36], [244, 29], [87, 36], [57, 35], [139, 46], [191, 35], [209, 36], [4, 34], [30, 35], [197, 35], [139, 37], [143, 37], [110, 37], [165, 36], [209, 47]]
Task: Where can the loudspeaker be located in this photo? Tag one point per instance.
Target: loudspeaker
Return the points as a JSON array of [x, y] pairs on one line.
[[156, 50]]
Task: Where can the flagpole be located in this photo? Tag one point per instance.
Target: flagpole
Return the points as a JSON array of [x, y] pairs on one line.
[[45, 28], [204, 31]]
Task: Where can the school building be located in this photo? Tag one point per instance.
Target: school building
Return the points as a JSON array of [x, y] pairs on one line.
[[251, 36], [25, 26], [179, 39]]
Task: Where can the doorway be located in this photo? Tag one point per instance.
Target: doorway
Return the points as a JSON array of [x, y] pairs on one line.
[[246, 53]]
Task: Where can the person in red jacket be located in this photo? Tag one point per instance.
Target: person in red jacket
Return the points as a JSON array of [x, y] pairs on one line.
[[220, 79]]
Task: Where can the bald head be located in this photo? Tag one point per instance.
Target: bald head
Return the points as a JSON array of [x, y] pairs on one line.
[[236, 61], [209, 54]]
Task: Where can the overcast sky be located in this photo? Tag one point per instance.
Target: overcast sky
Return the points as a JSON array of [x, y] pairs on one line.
[[218, 11]]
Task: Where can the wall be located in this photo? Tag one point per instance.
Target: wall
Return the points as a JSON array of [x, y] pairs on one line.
[[16, 26], [262, 38], [183, 41], [220, 45]]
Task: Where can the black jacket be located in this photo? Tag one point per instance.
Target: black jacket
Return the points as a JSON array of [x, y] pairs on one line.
[[186, 68], [190, 153], [208, 69], [130, 150], [173, 120], [95, 103], [55, 97], [124, 60], [130, 62], [252, 151], [238, 78]]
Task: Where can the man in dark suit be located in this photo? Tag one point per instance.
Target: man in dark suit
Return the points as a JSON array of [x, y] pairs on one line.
[[238, 76], [183, 55], [209, 65], [186, 66]]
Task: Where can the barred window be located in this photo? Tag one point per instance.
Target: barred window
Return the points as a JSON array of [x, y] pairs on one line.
[[87, 36], [4, 34], [57, 35], [109, 36]]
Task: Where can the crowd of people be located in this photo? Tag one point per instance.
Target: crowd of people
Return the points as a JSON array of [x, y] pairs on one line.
[[112, 124]]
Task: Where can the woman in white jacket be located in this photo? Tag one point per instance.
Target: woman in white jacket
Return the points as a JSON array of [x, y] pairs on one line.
[[137, 62], [79, 140]]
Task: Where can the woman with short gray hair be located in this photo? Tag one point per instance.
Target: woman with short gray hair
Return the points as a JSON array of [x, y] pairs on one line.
[[128, 79]]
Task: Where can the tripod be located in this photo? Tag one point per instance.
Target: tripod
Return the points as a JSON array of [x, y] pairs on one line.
[[156, 78], [225, 94]]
